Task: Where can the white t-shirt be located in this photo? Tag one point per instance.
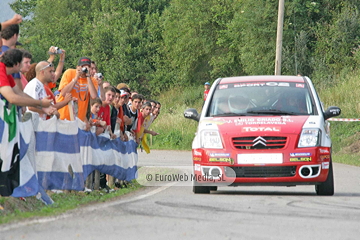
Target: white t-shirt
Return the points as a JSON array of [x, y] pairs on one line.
[[36, 90]]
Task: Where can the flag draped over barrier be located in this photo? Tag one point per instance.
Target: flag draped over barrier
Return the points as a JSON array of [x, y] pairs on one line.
[[57, 154], [9, 150]]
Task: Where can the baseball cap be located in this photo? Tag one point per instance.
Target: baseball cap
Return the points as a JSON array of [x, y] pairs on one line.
[[84, 61], [123, 93], [207, 83]]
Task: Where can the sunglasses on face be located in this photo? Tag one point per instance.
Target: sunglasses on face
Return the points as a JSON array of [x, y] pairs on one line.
[[47, 66]]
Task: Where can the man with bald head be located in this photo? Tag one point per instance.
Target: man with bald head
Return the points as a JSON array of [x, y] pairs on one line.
[[45, 73]]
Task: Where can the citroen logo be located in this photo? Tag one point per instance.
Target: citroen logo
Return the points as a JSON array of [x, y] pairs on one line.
[[259, 140]]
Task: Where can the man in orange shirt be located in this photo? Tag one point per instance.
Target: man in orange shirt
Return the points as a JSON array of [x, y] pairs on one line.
[[81, 86]]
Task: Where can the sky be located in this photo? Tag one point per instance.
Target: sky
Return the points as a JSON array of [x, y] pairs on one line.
[[5, 11]]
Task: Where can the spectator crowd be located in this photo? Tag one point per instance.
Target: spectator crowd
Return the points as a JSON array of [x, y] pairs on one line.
[[115, 111]]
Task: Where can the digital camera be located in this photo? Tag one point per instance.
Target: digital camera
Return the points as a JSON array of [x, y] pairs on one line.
[[84, 70], [99, 75], [57, 51]]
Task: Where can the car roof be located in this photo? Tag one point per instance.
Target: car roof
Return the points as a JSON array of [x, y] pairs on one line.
[[264, 78]]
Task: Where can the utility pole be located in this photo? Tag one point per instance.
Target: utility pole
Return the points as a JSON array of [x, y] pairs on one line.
[[279, 36]]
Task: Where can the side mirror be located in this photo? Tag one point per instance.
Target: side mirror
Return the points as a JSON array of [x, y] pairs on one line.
[[332, 112], [191, 113]]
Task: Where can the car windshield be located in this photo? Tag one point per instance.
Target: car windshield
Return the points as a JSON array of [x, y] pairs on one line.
[[265, 98]]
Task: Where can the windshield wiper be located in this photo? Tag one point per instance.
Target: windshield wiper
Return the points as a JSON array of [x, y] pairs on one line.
[[228, 114], [271, 111]]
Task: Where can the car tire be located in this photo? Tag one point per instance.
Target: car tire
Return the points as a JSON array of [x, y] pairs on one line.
[[326, 188], [198, 188]]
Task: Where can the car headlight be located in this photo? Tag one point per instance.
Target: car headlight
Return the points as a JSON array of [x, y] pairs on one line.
[[309, 138], [211, 139]]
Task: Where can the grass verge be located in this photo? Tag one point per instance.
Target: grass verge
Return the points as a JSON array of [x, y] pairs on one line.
[[176, 132], [16, 209], [344, 135]]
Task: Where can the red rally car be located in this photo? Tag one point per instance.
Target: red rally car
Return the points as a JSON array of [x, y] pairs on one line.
[[262, 130]]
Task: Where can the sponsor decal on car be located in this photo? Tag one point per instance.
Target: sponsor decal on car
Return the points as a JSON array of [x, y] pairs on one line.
[[301, 159], [219, 154], [325, 158], [280, 84], [323, 151], [223, 86], [262, 121], [188, 114], [197, 167], [222, 120], [325, 165], [300, 154], [284, 84], [261, 129], [197, 158], [217, 122], [261, 84], [229, 160], [197, 153], [300, 85]]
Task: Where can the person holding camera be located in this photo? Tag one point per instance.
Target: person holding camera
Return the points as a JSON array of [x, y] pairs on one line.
[[53, 52], [79, 83], [99, 77]]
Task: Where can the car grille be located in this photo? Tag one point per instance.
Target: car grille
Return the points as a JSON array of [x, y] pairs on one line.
[[259, 142], [260, 172]]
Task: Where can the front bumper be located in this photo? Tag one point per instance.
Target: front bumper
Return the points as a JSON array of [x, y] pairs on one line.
[[292, 170]]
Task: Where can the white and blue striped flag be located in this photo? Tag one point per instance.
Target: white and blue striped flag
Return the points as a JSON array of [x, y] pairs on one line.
[[57, 154]]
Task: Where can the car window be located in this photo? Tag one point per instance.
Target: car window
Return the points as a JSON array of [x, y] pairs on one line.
[[271, 98]]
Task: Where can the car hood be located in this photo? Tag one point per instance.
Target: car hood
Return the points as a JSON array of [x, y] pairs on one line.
[[266, 124]]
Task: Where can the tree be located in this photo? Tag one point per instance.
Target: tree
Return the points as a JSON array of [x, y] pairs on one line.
[[156, 44]]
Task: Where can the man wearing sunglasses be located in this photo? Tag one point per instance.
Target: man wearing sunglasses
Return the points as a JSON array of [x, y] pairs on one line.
[[79, 83], [45, 73], [11, 63]]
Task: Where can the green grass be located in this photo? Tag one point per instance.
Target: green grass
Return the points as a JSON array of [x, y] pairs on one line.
[[15, 209], [344, 94], [176, 132]]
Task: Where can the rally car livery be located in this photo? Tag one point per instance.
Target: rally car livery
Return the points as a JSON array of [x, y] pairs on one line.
[[263, 130]]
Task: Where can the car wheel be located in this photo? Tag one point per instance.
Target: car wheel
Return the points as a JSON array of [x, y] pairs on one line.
[[198, 188], [326, 188]]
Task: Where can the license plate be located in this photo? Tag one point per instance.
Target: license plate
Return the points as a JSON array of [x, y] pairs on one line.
[[260, 158]]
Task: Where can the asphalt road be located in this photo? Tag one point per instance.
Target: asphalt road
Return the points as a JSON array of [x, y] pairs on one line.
[[173, 212]]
